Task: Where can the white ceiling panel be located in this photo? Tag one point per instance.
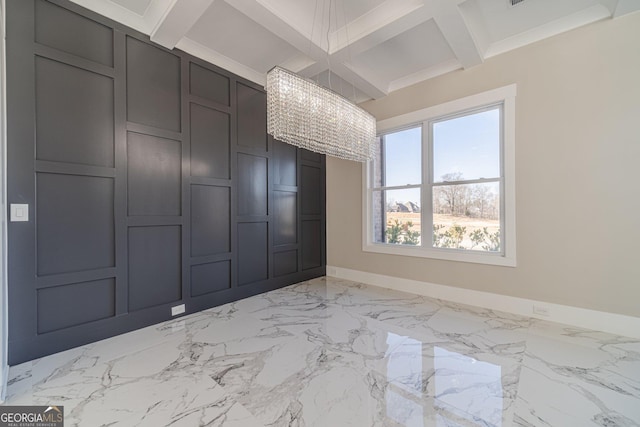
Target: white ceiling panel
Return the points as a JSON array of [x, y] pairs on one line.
[[419, 48], [320, 16], [341, 86], [297, 13], [353, 9], [230, 33]]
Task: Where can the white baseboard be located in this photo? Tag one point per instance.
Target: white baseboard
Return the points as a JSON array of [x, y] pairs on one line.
[[618, 324]]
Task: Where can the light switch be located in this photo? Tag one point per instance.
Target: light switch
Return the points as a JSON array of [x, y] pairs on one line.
[[19, 212]]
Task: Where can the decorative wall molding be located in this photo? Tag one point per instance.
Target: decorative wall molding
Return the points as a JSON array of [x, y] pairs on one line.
[[171, 221]]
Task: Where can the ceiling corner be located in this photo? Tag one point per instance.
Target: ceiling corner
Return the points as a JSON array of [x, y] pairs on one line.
[[177, 20], [625, 7], [200, 51]]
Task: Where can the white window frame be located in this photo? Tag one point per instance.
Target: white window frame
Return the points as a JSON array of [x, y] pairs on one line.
[[504, 96]]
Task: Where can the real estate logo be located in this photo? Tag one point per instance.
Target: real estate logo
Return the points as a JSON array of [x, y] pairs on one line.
[[31, 416]]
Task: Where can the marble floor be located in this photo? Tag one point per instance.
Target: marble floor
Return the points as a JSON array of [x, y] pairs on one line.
[[331, 353]]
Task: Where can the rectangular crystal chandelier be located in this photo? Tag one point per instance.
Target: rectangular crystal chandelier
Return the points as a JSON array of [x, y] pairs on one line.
[[305, 114]]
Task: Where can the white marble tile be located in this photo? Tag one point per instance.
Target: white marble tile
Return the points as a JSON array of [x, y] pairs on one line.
[[477, 333], [449, 385], [395, 307], [328, 353], [589, 378]]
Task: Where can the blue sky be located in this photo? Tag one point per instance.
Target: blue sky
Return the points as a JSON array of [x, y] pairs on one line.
[[469, 145]]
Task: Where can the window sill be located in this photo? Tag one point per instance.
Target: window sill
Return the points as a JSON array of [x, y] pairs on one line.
[[441, 254]]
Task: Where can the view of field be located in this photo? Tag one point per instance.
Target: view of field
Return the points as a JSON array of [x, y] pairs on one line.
[[447, 222]]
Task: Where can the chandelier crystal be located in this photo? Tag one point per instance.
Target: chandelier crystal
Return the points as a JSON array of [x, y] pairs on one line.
[[305, 114]]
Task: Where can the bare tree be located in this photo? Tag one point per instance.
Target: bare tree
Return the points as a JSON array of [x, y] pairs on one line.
[[481, 195], [452, 194]]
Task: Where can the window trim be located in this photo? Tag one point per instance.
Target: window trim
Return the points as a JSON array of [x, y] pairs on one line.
[[504, 95]]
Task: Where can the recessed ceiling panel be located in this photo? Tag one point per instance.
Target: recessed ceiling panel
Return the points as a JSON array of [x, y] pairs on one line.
[[136, 6], [232, 34], [501, 20], [420, 48], [351, 10], [309, 16], [298, 14], [340, 86]]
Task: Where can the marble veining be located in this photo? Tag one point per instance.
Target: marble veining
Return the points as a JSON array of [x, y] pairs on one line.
[[331, 352]]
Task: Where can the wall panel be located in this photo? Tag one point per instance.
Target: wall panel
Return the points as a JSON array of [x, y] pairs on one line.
[[252, 117], [74, 112], [311, 246], [210, 142], [311, 200], [82, 37], [154, 266], [210, 220], [285, 263], [153, 86], [313, 224], [75, 229], [154, 171], [209, 84], [285, 164], [253, 252], [285, 227], [75, 304], [211, 277], [252, 185]]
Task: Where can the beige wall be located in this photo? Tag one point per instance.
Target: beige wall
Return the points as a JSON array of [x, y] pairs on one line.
[[577, 173]]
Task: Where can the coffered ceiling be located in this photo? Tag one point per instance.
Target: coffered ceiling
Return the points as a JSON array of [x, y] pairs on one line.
[[361, 48]]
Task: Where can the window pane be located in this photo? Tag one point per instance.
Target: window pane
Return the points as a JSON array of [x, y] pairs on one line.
[[396, 216], [403, 158], [467, 217], [467, 147]]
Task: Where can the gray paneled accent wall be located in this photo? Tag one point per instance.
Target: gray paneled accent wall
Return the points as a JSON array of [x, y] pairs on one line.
[[150, 179]]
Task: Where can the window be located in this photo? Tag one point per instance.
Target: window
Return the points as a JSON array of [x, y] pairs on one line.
[[442, 184]]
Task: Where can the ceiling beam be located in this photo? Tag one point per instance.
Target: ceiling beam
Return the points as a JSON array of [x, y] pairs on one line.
[[378, 25], [269, 19], [365, 83], [177, 20], [368, 85], [298, 63], [272, 21], [449, 18], [426, 74], [625, 7], [381, 34], [382, 23], [386, 21], [583, 17], [203, 52]]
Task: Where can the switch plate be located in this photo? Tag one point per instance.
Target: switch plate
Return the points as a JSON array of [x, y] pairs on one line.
[[19, 212], [178, 309]]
